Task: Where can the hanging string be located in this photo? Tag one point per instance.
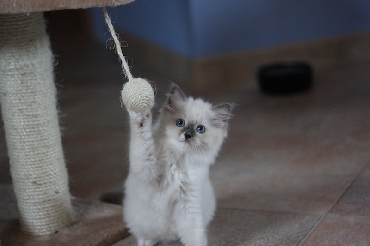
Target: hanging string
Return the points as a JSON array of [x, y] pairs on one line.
[[124, 64], [137, 94]]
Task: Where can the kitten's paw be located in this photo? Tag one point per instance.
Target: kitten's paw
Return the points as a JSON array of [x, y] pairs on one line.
[[144, 242], [141, 118], [138, 115], [195, 241]]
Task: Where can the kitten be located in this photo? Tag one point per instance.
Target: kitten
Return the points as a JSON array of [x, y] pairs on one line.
[[168, 192]]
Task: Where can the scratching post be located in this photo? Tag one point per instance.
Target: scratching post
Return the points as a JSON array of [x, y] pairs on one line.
[[27, 96]]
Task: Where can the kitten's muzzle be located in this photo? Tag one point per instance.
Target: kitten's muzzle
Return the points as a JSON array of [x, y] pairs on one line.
[[188, 133]]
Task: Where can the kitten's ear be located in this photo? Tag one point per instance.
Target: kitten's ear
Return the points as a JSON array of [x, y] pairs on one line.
[[175, 98], [222, 114]]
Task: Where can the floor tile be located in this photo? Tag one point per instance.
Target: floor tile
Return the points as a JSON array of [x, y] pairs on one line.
[[341, 230], [356, 200], [241, 227], [310, 198], [296, 153], [129, 241], [285, 173]]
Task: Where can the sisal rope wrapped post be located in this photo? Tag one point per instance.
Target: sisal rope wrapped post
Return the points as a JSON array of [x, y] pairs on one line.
[[28, 104]]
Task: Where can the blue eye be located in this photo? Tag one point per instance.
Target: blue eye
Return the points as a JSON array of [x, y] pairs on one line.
[[201, 129], [180, 123]]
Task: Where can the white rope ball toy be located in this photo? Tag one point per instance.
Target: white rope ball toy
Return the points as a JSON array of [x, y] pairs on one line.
[[137, 94]]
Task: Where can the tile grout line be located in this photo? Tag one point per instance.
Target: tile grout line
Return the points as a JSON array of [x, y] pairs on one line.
[[268, 210], [314, 228]]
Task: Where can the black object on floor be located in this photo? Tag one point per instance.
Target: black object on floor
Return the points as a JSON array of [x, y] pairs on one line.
[[285, 77]]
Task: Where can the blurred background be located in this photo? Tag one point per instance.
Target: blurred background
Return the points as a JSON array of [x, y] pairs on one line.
[[201, 29], [209, 42]]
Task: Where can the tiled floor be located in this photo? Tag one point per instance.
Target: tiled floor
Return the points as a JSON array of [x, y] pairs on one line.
[[295, 170]]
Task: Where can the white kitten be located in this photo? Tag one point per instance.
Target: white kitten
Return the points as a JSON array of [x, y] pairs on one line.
[[168, 192]]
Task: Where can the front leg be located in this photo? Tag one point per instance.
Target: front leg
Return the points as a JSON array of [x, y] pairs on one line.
[[142, 152], [190, 223]]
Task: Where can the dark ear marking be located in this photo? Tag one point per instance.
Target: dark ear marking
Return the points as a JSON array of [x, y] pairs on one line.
[[175, 98], [222, 114]]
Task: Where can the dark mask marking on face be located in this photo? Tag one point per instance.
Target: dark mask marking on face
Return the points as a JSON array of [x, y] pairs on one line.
[[189, 131]]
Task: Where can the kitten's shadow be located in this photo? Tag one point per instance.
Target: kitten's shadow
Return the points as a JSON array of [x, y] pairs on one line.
[[114, 197]]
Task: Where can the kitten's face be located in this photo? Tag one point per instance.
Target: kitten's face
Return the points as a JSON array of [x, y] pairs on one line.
[[193, 124]]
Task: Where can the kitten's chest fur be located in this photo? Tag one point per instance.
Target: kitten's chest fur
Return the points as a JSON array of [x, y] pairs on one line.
[[179, 176]]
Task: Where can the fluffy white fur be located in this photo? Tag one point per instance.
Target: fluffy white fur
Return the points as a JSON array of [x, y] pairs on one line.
[[168, 192]]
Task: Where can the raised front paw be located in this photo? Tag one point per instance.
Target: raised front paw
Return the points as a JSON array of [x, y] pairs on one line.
[[145, 242], [140, 119]]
